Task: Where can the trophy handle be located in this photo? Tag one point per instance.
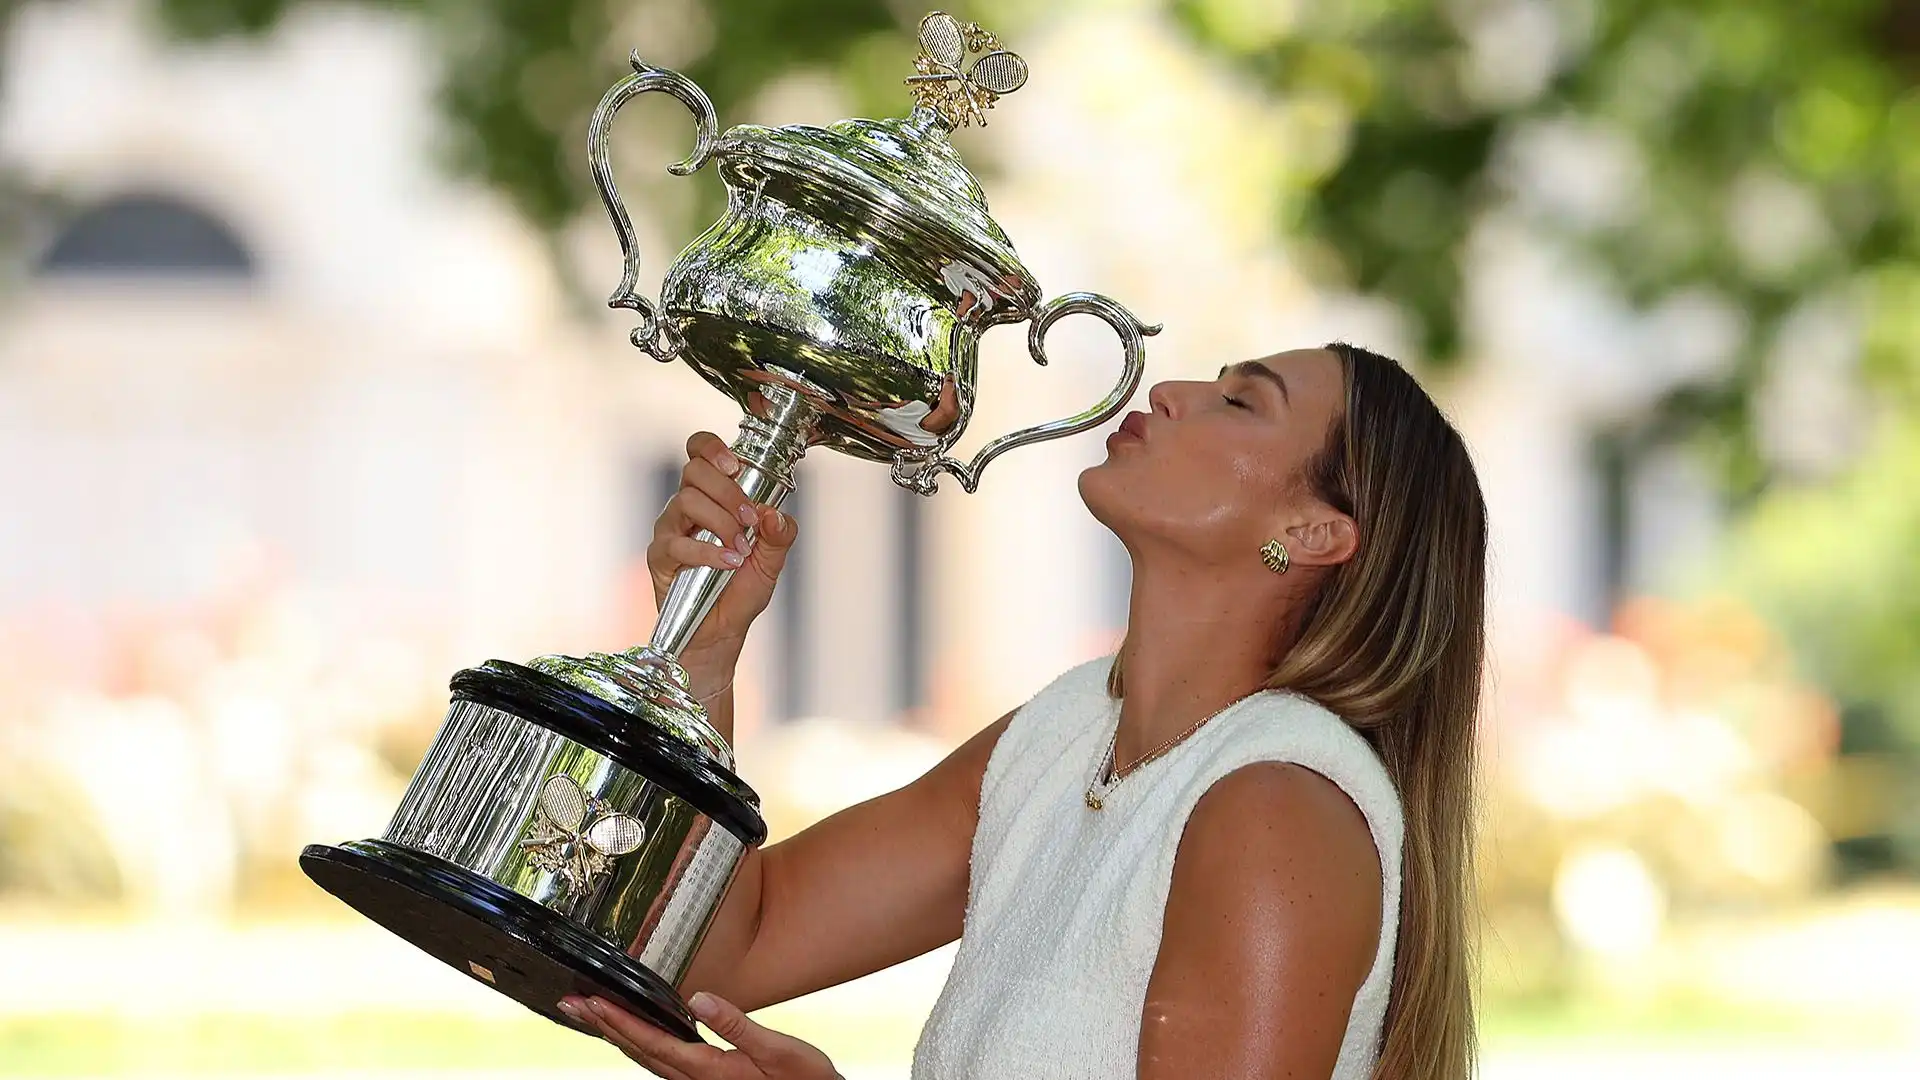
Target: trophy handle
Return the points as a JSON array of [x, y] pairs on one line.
[[650, 337], [922, 476]]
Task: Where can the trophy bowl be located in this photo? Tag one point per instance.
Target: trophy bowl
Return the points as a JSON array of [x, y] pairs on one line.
[[576, 822]]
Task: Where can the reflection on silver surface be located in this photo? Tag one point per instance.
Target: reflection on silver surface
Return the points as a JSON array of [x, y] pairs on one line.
[[855, 265], [476, 802]]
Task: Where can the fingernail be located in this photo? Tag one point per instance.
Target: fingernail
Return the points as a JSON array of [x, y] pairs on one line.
[[784, 519], [597, 1005], [729, 464], [732, 558], [748, 515], [569, 1008], [743, 544], [702, 1005]]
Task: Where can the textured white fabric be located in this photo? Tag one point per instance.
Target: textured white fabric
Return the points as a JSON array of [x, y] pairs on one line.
[[1065, 904]]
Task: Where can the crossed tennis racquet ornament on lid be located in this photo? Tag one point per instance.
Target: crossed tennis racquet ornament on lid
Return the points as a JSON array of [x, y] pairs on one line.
[[962, 93]]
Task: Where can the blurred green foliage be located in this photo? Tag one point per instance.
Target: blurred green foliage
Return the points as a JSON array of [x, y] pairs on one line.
[[520, 77], [1763, 152], [1837, 567], [1768, 151]]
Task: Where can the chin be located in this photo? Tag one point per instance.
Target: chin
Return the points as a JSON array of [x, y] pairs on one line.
[[1094, 477], [1102, 492]]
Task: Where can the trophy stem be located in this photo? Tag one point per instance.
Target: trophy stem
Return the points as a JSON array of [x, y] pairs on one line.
[[768, 448]]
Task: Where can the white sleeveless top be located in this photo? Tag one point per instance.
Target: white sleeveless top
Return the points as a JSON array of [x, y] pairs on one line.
[[1065, 904]]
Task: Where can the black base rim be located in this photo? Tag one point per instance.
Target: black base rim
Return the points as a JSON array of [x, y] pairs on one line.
[[681, 768], [526, 952]]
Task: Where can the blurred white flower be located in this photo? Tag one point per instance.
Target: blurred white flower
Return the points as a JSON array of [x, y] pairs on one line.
[[1608, 901]]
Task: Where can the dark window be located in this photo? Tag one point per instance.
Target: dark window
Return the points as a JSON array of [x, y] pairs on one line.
[[1614, 463], [910, 675], [657, 482], [147, 236], [795, 674]]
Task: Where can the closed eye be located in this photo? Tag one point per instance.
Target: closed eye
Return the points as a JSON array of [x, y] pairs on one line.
[[1254, 369], [1235, 402]]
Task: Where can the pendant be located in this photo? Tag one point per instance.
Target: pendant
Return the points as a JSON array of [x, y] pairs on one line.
[[1097, 793], [1102, 782]]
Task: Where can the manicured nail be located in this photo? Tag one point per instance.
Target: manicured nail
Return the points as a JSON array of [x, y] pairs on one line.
[[729, 464], [598, 1006], [702, 1005], [783, 518], [732, 558], [748, 515], [743, 544], [569, 1008]]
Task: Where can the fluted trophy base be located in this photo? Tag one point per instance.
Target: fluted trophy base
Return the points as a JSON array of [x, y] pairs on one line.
[[556, 842], [575, 825], [515, 946]]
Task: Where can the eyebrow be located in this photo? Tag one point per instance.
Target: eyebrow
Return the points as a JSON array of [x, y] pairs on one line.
[[1257, 370]]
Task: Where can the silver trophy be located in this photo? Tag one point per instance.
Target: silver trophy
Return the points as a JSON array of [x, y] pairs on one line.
[[576, 822]]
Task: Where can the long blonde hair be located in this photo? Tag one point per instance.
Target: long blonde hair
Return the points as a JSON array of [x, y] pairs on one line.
[[1394, 643]]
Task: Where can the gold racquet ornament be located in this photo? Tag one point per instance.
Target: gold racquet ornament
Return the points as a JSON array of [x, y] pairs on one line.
[[947, 84]]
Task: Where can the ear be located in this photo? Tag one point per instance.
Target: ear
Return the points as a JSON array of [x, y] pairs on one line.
[[1328, 538]]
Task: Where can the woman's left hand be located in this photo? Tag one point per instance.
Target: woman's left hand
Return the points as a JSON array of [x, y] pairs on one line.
[[761, 1054]]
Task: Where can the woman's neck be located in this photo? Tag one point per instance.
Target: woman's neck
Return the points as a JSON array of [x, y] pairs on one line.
[[1197, 641]]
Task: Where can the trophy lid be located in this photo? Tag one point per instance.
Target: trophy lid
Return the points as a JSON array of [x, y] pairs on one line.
[[900, 180]]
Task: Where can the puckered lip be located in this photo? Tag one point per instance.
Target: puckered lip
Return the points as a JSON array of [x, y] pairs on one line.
[[1135, 425]]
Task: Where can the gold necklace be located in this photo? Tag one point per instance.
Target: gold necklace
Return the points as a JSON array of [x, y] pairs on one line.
[[1106, 777]]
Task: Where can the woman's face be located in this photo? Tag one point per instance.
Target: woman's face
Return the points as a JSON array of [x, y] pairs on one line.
[[1215, 469]]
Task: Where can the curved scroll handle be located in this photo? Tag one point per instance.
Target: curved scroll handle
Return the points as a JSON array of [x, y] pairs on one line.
[[650, 337], [1133, 336]]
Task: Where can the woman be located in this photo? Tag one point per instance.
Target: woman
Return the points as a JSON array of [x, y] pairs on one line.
[[1238, 848]]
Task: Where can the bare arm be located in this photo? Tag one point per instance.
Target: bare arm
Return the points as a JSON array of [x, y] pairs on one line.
[[1271, 925], [871, 886]]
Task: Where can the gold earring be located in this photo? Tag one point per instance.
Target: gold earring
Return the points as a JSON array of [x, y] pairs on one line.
[[1274, 554]]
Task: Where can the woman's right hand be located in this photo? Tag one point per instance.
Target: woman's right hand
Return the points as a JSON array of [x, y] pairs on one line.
[[710, 499]]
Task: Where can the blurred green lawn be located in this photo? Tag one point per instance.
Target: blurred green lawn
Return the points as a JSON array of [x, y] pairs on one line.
[[339, 998], [83, 1045]]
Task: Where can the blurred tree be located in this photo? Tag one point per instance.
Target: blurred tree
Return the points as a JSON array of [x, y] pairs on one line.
[[1762, 153], [21, 202], [1835, 567], [520, 77], [1755, 153]]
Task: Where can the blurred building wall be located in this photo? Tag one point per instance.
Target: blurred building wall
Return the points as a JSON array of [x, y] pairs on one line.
[[395, 402]]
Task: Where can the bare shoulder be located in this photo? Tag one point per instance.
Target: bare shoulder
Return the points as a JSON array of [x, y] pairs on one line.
[[1275, 847], [1272, 799], [1271, 925]]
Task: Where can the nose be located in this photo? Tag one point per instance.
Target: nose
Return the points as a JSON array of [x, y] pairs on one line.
[[1169, 399]]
